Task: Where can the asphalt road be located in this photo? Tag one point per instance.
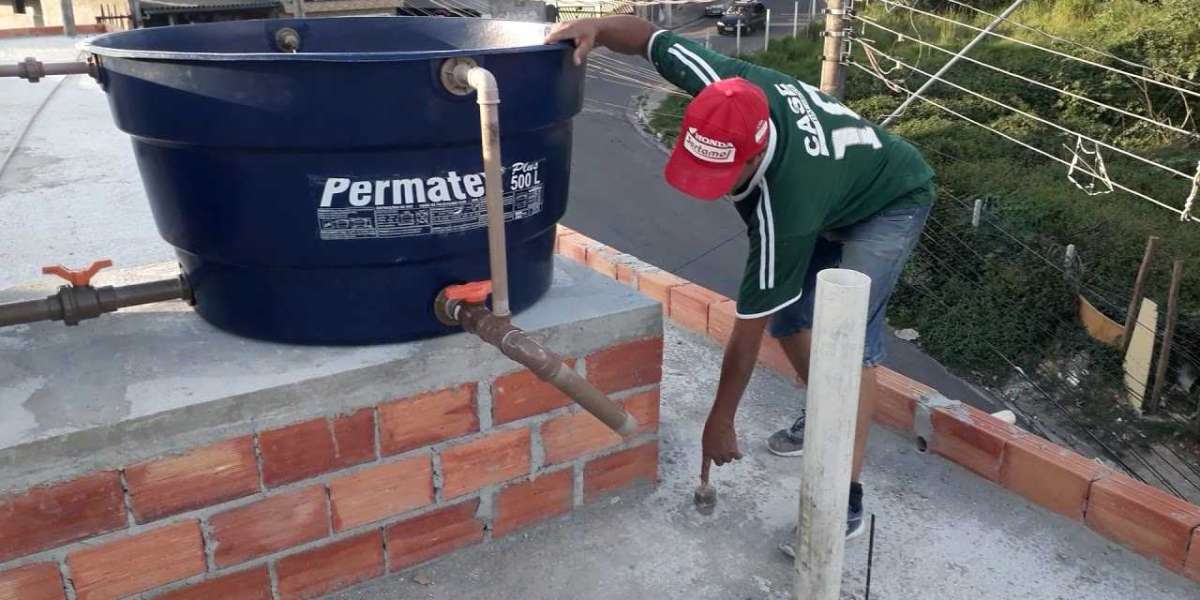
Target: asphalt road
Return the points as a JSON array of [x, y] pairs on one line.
[[618, 197]]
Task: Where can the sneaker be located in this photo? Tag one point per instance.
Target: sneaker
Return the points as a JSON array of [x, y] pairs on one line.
[[854, 522], [790, 441]]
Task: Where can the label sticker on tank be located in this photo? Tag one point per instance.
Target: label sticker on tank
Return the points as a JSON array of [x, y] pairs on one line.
[[354, 207]]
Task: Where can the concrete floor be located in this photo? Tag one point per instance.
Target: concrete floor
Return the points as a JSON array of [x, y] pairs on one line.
[[942, 532]]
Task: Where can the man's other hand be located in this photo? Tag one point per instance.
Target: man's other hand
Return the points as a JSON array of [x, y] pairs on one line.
[[582, 33], [719, 441]]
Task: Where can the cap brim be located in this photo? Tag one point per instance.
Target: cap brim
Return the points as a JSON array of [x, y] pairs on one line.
[[702, 180]]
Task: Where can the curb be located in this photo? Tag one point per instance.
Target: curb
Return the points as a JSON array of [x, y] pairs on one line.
[[1142, 518]]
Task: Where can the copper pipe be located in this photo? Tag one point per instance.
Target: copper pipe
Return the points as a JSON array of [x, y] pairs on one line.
[[547, 365]]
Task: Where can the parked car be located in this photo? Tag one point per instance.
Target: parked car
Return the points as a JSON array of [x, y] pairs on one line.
[[748, 15], [715, 9]]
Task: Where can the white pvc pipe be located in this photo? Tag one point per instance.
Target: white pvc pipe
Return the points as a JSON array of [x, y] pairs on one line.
[[738, 27], [795, 17], [488, 97], [835, 374]]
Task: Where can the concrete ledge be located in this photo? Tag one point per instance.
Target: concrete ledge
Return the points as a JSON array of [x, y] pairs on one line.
[[138, 384], [1138, 516]]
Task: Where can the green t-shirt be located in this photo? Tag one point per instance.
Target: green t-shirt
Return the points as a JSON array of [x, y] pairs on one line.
[[825, 168]]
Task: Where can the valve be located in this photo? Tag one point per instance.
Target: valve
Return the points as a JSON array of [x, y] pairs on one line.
[[475, 292], [78, 278]]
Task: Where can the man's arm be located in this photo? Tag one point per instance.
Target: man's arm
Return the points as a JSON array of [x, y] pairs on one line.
[[623, 34], [719, 441]]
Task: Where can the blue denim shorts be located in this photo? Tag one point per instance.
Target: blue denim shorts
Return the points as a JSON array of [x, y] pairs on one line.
[[878, 247]]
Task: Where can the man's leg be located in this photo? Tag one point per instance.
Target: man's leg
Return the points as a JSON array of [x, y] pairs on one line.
[[796, 347]]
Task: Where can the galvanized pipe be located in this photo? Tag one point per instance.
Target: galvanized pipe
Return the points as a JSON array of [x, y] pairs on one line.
[[34, 70], [547, 365], [487, 95], [73, 304]]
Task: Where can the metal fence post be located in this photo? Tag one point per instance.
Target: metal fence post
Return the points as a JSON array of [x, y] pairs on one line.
[[767, 32]]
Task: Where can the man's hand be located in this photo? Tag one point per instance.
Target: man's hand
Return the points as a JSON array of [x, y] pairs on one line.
[[719, 442], [623, 34], [582, 33]]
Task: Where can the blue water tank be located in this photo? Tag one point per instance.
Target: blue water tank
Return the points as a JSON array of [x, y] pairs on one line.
[[326, 195]]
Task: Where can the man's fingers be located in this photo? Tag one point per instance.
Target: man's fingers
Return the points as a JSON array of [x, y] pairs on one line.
[[583, 46]]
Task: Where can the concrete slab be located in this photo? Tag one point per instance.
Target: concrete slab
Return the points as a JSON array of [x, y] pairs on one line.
[[71, 190], [942, 533], [132, 385]]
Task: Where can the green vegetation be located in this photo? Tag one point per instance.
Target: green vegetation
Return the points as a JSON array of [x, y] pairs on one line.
[[983, 296]]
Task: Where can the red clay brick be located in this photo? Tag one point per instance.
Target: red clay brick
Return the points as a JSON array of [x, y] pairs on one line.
[[575, 247], [308, 449], [332, 567], [252, 584], [270, 525], [559, 233], [571, 436], [354, 435], [39, 581], [522, 504], [721, 317], [431, 535], [49, 516], [380, 492], [971, 438], [657, 284], [603, 260], [427, 419], [622, 469], [625, 366], [689, 306], [138, 563], [492, 459], [896, 405], [1049, 475], [521, 394], [1148, 520], [627, 273], [1192, 564], [199, 478]]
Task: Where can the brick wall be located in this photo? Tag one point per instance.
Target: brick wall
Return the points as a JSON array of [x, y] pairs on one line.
[[305, 509]]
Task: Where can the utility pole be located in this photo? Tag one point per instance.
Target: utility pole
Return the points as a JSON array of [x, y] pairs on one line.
[[135, 13], [68, 17], [833, 67]]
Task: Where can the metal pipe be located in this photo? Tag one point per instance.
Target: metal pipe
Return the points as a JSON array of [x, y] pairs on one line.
[[547, 365], [75, 303], [487, 95], [950, 63], [33, 70], [835, 375]]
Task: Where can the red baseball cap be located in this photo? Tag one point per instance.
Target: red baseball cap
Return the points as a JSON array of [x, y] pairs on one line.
[[725, 126]]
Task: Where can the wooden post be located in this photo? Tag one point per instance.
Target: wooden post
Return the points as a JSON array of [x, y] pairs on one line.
[[68, 17], [1139, 290], [835, 374], [1164, 355], [832, 67]]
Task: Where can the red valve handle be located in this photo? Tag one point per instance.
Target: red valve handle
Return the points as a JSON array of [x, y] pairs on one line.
[[475, 292], [78, 278]]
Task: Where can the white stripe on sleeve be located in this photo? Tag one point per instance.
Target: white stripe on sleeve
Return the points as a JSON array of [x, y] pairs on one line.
[[650, 45], [695, 69], [700, 61]]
